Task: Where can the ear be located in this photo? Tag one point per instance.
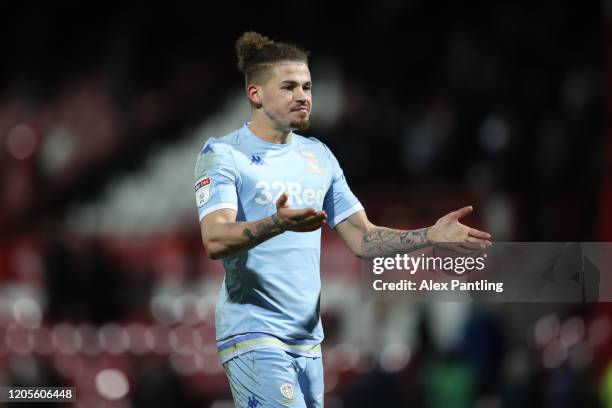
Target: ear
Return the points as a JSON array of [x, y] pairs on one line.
[[254, 95]]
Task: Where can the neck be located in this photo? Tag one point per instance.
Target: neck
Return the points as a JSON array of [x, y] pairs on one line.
[[265, 130]]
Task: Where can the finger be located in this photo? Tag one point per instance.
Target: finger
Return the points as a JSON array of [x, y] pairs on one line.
[[312, 225], [462, 212], [472, 245], [310, 228], [483, 242], [473, 232], [282, 201], [301, 214], [316, 218]]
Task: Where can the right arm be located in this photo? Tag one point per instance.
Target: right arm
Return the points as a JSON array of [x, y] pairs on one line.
[[223, 236]]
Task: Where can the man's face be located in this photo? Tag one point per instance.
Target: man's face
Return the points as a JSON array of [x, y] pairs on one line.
[[286, 98]]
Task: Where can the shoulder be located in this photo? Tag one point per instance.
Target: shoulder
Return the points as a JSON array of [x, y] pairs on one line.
[[223, 145], [217, 154]]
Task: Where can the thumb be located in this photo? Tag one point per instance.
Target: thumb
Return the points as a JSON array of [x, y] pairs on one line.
[[282, 201], [462, 212]]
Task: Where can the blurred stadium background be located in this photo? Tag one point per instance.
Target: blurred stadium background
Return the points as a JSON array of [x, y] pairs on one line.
[[104, 284]]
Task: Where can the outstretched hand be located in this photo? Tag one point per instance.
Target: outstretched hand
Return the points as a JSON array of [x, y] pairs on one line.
[[301, 220], [448, 229]]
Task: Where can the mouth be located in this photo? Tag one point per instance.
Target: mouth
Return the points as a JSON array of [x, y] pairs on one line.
[[303, 109]]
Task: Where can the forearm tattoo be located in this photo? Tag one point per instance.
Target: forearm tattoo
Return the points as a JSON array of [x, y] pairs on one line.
[[261, 230], [383, 241]]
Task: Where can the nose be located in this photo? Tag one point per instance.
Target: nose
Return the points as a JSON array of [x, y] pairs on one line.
[[300, 95]]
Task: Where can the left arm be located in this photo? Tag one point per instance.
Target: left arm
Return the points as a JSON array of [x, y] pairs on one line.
[[367, 240]]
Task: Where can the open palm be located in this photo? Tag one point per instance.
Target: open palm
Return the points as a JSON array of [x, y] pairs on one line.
[[448, 229], [301, 220]]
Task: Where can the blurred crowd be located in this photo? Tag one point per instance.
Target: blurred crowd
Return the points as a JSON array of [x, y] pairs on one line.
[[427, 106]]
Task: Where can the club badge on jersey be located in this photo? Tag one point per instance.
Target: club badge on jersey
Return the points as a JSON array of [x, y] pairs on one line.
[[312, 161], [287, 390], [202, 190]]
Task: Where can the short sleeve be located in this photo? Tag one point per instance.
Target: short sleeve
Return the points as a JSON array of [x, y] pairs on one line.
[[340, 202], [215, 179]]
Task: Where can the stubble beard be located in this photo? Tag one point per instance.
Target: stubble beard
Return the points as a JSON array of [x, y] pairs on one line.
[[301, 124]]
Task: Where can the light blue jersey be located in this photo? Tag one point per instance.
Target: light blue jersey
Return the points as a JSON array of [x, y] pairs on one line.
[[270, 296]]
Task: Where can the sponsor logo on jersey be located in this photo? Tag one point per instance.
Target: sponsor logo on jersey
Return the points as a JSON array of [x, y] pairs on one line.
[[202, 190], [268, 192]]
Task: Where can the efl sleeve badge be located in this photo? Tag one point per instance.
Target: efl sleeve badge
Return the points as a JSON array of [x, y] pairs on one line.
[[202, 190]]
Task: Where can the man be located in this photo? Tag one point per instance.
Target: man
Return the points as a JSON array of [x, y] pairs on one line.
[[263, 193]]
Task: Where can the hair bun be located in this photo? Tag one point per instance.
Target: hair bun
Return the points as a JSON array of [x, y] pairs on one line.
[[248, 45]]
